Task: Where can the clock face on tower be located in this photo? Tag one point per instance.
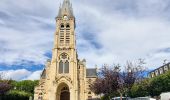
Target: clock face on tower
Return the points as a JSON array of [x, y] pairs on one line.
[[65, 17]]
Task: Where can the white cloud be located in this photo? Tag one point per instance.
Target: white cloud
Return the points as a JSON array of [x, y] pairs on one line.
[[20, 46], [126, 30], [34, 76], [16, 74], [21, 74], [126, 37]]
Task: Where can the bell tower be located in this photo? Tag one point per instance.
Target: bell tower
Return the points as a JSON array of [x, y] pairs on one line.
[[64, 51], [64, 55], [65, 77], [65, 26]]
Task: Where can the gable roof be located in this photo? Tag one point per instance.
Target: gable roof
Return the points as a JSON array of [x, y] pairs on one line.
[[43, 74]]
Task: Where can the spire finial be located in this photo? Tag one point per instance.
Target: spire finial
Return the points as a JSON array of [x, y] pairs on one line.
[[66, 8]]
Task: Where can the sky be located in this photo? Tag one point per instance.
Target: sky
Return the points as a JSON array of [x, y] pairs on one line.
[[107, 32]]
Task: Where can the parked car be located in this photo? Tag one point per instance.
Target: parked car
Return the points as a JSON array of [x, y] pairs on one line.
[[143, 98], [165, 96], [118, 98]]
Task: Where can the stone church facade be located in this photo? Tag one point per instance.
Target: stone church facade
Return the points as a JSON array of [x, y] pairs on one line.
[[65, 77]]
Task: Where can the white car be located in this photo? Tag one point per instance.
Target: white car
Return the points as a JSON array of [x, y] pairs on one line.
[[143, 98], [165, 96], [118, 98]]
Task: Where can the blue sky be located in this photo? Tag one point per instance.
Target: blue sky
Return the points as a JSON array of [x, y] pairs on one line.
[[107, 32]]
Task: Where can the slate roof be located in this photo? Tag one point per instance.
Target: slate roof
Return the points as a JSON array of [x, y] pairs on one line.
[[66, 9], [168, 65], [43, 74], [91, 72]]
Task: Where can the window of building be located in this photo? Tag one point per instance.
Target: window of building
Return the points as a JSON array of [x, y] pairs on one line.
[[61, 35], [153, 74], [66, 70], [64, 56], [62, 26], [61, 67], [67, 34], [64, 63], [68, 26], [160, 71], [156, 72], [64, 35], [165, 68]]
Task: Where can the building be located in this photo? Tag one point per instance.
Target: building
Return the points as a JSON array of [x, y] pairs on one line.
[[65, 77], [161, 70]]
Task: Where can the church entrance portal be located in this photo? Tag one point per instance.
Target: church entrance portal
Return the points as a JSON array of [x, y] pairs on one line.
[[63, 91], [65, 95]]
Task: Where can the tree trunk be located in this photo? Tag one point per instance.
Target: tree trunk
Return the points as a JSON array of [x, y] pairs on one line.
[[120, 96]]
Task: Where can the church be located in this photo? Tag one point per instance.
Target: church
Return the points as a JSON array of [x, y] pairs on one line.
[[65, 76]]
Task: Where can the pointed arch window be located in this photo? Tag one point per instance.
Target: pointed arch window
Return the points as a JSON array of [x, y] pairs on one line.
[[61, 34], [62, 26], [67, 34], [68, 26], [66, 69], [60, 67], [64, 64]]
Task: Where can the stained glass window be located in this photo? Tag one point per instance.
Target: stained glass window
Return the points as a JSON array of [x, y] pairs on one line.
[[66, 69], [64, 63], [60, 67], [64, 56]]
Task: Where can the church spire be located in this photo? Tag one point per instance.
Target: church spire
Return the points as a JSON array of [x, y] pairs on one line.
[[66, 9]]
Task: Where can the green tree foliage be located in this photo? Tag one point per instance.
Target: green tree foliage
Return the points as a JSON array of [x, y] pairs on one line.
[[152, 87], [16, 95], [140, 89], [20, 90], [25, 85], [160, 84]]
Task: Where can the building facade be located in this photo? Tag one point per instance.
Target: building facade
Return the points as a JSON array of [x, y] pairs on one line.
[[161, 70], [65, 77]]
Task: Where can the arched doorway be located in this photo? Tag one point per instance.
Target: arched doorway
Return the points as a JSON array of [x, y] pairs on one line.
[[63, 92]]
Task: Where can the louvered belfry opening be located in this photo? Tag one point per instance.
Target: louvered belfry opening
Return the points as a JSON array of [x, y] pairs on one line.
[[64, 35]]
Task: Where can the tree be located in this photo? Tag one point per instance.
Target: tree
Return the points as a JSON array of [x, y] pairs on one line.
[[106, 82], [114, 79], [4, 84], [160, 84], [97, 87], [25, 85], [140, 89], [132, 73], [153, 87]]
